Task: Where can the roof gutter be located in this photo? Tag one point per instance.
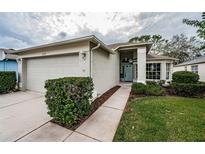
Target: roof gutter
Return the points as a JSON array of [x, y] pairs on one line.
[[91, 57]]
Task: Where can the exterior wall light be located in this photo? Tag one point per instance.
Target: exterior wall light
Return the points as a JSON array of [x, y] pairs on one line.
[[84, 56]]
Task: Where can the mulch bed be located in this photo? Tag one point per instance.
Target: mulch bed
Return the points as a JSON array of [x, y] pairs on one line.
[[94, 106], [134, 96]]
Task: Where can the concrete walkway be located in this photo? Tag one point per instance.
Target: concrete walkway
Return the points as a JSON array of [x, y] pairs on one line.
[[103, 123], [100, 127]]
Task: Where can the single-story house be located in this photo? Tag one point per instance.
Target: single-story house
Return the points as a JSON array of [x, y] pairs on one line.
[[196, 65], [88, 56], [8, 61]]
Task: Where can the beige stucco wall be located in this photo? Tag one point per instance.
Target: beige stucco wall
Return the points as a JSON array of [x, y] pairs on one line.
[[105, 70], [201, 70], [57, 50], [2, 55], [180, 68], [80, 49], [141, 64]]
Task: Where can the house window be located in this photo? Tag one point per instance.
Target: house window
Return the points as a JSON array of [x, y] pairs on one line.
[[194, 69], [168, 68], [185, 68], [153, 71]]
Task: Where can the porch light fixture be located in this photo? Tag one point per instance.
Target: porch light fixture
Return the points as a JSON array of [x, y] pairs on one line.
[[130, 61], [84, 56]]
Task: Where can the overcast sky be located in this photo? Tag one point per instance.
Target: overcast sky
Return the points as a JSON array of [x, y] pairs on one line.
[[20, 30]]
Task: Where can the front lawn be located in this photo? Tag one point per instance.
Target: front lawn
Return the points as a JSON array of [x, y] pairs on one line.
[[163, 119]]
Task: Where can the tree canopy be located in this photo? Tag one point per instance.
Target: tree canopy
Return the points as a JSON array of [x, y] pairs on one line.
[[179, 46], [200, 25]]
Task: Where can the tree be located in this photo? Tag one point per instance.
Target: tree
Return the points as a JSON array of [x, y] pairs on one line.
[[157, 41], [179, 46], [200, 25], [182, 48]]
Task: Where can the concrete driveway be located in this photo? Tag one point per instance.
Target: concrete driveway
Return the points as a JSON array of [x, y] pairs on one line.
[[23, 117], [20, 114]]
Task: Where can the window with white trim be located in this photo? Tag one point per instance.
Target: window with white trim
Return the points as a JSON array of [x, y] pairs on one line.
[[153, 71], [185, 68], [168, 69], [194, 69]]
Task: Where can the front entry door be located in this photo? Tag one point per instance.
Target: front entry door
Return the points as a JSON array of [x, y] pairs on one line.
[[128, 72]]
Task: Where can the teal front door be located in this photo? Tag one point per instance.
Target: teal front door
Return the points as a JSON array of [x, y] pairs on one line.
[[128, 72]]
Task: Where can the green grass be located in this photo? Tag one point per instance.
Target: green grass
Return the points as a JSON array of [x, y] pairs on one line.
[[163, 119]]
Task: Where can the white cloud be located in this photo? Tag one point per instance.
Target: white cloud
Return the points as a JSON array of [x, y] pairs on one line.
[[28, 29], [10, 42]]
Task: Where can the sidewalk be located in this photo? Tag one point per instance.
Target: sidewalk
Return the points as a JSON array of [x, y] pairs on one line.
[[100, 127]]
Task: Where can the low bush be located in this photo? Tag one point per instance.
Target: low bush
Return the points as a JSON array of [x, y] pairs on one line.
[[185, 77], [188, 90], [151, 83], [7, 81], [151, 89], [161, 82], [68, 99], [139, 88], [155, 90]]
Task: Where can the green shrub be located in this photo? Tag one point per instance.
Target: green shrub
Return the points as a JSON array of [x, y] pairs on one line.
[[68, 98], [7, 81], [151, 83], [188, 90], [151, 88], [139, 88], [155, 90], [161, 82], [185, 77]]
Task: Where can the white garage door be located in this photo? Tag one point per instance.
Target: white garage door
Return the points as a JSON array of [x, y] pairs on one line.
[[41, 69]]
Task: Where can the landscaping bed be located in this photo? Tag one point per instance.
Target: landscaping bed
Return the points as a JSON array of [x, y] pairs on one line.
[[94, 106], [157, 113], [164, 118]]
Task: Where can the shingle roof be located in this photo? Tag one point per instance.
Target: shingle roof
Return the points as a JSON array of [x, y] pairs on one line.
[[7, 50], [197, 60], [115, 45], [159, 57], [75, 40], [126, 44]]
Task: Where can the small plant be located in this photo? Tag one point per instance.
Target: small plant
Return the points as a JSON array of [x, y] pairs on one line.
[[161, 82], [151, 89], [7, 81], [155, 90], [68, 99], [139, 88], [151, 83]]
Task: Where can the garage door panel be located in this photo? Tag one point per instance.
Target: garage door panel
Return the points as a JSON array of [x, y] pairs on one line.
[[41, 69]]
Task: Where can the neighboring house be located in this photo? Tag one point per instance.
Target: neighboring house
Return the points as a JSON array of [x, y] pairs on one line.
[[88, 56], [196, 65], [8, 61]]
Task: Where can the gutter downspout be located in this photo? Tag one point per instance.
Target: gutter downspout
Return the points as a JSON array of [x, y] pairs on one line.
[[91, 58]]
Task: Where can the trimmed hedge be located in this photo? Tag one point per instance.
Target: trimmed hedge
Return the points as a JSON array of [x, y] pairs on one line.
[[151, 89], [139, 88], [185, 77], [188, 90], [68, 99], [7, 81], [185, 83]]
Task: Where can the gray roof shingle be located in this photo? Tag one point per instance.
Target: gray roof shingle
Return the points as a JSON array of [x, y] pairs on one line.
[[197, 60]]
